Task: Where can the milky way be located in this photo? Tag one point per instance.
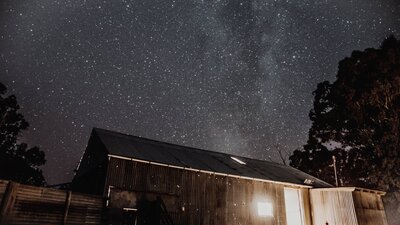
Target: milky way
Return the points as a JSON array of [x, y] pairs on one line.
[[230, 76]]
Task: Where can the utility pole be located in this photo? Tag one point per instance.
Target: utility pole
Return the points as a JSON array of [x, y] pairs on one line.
[[334, 169]]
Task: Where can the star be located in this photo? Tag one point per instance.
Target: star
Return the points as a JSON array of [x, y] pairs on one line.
[[228, 75]]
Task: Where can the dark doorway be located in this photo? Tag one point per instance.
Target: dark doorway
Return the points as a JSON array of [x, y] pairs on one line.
[[129, 217], [149, 212]]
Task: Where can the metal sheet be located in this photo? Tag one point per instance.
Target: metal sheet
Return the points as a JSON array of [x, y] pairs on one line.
[[333, 207], [161, 152]]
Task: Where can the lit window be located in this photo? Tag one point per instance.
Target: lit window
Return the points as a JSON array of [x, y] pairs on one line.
[[238, 160], [264, 209]]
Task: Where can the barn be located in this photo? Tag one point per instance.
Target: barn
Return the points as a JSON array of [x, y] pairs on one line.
[[150, 182]]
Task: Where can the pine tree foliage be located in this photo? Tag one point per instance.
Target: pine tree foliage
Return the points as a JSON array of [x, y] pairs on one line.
[[17, 161], [357, 120]]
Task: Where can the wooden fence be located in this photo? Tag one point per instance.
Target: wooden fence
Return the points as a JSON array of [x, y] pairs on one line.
[[24, 204]]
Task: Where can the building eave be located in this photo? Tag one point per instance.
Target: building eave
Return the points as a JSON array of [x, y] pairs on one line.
[[209, 172], [351, 189]]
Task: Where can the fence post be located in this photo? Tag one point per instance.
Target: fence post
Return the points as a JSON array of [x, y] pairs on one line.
[[7, 204], [67, 204]]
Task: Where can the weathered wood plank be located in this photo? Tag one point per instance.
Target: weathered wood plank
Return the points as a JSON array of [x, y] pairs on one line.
[[7, 203], [39, 205], [67, 205], [369, 208], [207, 199]]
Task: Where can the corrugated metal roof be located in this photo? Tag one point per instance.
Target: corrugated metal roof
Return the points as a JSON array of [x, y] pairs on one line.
[[160, 152]]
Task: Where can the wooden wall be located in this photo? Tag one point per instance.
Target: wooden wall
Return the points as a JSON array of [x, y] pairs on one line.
[[90, 176], [332, 207], [351, 206], [369, 208], [24, 204], [305, 198], [207, 199]]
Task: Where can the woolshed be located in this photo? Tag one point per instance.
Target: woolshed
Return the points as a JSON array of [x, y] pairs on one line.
[[151, 182]]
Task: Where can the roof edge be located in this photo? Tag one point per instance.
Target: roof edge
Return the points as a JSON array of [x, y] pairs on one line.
[[351, 189], [209, 172]]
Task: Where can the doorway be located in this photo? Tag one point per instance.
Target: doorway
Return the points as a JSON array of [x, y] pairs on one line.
[[294, 207]]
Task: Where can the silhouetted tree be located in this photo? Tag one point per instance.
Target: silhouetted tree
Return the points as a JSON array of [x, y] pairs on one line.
[[17, 161], [357, 120]]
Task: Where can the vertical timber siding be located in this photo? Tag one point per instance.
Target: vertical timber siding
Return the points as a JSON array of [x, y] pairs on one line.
[[39, 205], [306, 207], [350, 206], [369, 208], [333, 207], [207, 199]]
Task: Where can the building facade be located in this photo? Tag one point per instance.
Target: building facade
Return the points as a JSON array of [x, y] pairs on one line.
[[151, 182]]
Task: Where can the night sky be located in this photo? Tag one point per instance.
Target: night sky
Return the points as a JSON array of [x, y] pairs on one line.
[[225, 75]]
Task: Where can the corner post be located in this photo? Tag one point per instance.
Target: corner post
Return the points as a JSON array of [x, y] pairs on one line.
[[8, 201], [67, 204]]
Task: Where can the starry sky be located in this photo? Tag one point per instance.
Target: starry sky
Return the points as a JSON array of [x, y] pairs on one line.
[[233, 76]]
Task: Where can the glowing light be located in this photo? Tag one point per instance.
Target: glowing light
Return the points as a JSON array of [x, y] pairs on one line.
[[264, 209]]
